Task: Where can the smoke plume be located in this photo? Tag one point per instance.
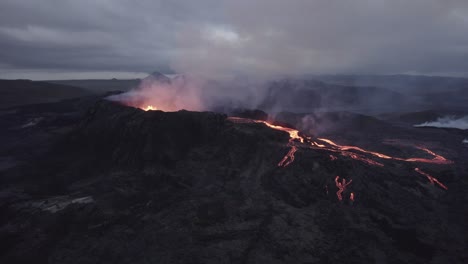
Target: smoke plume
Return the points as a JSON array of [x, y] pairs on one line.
[[447, 122], [192, 92]]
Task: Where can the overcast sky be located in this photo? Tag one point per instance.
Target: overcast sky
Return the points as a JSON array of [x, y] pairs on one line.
[[55, 39]]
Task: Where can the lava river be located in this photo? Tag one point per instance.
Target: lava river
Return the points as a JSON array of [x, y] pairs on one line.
[[354, 152]]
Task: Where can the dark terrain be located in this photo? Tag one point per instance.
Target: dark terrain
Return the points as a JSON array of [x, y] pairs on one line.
[[100, 86], [22, 92], [87, 180]]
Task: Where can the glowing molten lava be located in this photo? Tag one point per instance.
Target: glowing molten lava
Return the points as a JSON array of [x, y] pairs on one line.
[[293, 136], [354, 152], [293, 133], [431, 179], [149, 108], [289, 158], [438, 159], [341, 187]]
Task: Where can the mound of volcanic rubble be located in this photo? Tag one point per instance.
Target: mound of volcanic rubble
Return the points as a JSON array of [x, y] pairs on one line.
[[131, 186]]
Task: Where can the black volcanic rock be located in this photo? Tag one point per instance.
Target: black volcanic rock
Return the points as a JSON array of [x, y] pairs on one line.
[[129, 186], [113, 136], [252, 114], [155, 134]]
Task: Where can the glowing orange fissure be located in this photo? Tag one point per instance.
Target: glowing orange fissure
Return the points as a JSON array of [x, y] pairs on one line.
[[289, 158], [431, 178], [344, 150], [341, 187], [293, 135]]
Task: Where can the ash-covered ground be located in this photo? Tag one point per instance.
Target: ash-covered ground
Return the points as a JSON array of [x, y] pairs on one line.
[[93, 181]]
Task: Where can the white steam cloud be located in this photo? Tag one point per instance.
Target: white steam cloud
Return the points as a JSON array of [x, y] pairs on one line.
[[447, 122]]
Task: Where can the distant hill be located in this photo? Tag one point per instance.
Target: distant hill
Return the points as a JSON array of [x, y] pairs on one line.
[[419, 117], [307, 95], [101, 86], [22, 92], [413, 84], [410, 92]]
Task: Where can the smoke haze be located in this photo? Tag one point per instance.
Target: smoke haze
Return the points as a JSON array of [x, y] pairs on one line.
[[447, 122], [192, 92]]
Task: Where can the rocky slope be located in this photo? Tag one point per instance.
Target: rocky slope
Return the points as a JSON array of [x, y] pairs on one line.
[[121, 185]]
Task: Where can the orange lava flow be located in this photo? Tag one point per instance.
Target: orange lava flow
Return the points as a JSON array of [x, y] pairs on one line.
[[353, 152], [431, 179], [293, 133], [344, 150], [341, 187], [438, 159], [361, 158], [289, 158]]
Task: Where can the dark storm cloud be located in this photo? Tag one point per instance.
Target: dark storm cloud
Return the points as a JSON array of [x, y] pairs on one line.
[[240, 36]]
